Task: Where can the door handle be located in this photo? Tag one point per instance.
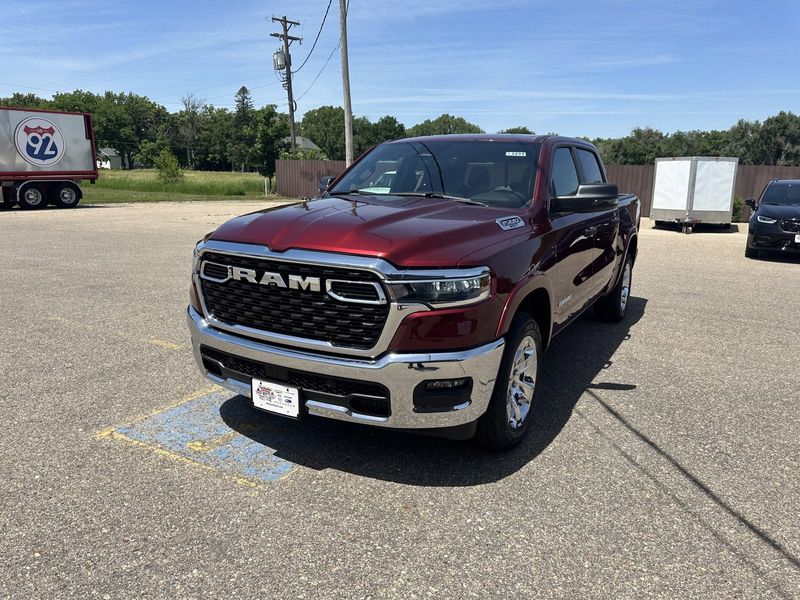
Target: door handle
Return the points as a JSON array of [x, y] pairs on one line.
[[591, 230]]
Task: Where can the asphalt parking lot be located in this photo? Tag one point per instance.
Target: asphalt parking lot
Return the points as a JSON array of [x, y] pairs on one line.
[[667, 463]]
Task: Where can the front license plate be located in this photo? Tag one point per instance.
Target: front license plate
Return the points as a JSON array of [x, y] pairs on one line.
[[276, 398], [797, 239]]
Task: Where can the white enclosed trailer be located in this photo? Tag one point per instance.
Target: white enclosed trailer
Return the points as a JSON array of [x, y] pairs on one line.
[[44, 156], [693, 190]]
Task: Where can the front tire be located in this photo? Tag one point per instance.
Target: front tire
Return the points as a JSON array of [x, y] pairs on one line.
[[508, 417], [614, 305]]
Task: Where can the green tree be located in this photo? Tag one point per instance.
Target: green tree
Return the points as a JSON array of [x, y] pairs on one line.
[[517, 129], [190, 125], [780, 139], [301, 154], [149, 151], [744, 141], [443, 125], [641, 147], [240, 148], [214, 135], [272, 128], [367, 134], [325, 127], [167, 168], [19, 100]]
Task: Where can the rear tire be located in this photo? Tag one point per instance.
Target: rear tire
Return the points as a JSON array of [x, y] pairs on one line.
[[508, 417], [613, 306], [33, 197], [66, 195]]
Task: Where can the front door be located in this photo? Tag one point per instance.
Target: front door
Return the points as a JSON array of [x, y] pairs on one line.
[[575, 243], [606, 222]]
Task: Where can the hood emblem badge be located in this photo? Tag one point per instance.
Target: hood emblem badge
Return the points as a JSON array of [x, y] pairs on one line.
[[509, 223]]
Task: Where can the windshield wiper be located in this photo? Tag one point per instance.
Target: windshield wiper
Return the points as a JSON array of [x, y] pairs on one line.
[[354, 191], [437, 195]]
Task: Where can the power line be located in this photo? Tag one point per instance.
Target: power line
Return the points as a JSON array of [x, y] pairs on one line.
[[330, 56], [316, 39]]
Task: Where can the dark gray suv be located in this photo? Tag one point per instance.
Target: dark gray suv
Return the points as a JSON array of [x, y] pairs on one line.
[[775, 222]]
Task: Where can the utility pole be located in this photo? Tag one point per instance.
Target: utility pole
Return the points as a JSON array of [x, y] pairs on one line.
[[285, 64], [348, 109]]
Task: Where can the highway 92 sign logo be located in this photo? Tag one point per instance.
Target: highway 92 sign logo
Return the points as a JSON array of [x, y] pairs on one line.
[[39, 142]]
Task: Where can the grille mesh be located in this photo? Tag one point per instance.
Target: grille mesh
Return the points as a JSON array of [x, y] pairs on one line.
[[790, 226], [299, 313]]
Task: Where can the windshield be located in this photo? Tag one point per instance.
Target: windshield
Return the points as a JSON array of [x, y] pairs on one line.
[[782, 193], [494, 173]]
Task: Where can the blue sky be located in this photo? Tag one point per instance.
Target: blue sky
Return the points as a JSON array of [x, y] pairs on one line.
[[590, 67]]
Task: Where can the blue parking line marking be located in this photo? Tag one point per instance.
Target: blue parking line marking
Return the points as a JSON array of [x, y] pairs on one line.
[[195, 431]]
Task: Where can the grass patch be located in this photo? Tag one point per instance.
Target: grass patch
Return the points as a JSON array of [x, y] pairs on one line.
[[142, 185], [98, 195], [201, 183]]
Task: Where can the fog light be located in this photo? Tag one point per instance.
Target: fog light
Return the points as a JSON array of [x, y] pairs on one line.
[[446, 384], [442, 395]]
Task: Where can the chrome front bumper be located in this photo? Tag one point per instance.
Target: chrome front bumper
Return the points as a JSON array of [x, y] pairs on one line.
[[399, 373]]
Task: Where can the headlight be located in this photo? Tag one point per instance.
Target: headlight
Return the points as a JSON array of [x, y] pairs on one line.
[[445, 289], [768, 220]]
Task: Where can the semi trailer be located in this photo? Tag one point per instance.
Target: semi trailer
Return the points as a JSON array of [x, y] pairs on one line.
[[44, 157]]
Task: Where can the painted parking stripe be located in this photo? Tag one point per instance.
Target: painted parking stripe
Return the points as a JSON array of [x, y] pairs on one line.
[[194, 432]]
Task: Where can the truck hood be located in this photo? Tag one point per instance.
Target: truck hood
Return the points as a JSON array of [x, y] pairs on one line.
[[409, 232]]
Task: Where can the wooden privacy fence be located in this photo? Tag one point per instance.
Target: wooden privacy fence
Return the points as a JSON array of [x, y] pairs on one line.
[[300, 178]]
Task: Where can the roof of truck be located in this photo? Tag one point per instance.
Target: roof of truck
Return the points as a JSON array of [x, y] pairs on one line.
[[491, 137], [484, 137]]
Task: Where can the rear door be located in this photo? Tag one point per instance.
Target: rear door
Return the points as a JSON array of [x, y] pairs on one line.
[[575, 244], [606, 220]]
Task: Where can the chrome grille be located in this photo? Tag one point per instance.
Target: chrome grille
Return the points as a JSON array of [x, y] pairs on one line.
[[295, 312]]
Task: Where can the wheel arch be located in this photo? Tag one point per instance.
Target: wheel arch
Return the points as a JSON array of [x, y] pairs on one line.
[[42, 185], [633, 247], [534, 298]]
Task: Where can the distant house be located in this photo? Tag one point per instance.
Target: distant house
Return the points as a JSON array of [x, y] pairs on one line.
[[108, 158], [304, 143]]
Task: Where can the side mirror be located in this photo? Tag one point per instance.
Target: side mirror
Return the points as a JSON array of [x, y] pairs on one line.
[[751, 203], [325, 182], [589, 197]]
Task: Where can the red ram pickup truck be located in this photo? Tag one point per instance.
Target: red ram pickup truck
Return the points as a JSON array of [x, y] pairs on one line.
[[419, 290]]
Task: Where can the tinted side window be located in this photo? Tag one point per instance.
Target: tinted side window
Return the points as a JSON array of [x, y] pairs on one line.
[[589, 166], [565, 177]]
